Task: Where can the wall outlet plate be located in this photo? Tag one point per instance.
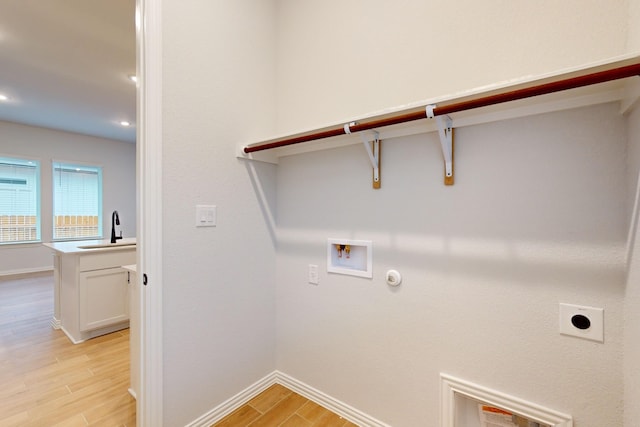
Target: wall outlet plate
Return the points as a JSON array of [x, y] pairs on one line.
[[582, 322]]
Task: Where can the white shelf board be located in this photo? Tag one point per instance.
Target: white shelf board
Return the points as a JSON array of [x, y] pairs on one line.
[[626, 91]]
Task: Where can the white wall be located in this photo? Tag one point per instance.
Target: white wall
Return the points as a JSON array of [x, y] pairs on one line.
[[537, 216], [633, 37], [218, 283], [338, 59], [632, 294], [118, 160]]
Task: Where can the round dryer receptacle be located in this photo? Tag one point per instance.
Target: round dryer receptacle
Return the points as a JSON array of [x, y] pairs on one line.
[[393, 278], [581, 321]]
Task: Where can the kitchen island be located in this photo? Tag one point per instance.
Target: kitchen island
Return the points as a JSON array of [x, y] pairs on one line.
[[90, 291]]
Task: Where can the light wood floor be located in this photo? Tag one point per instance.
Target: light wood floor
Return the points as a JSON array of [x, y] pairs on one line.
[[48, 381], [280, 407]]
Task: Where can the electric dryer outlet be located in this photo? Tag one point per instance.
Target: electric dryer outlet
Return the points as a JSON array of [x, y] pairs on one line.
[[582, 322]]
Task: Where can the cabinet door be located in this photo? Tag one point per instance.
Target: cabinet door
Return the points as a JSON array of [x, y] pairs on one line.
[[104, 298], [134, 333]]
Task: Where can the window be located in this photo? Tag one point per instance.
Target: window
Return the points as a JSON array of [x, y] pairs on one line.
[[77, 201], [19, 200]]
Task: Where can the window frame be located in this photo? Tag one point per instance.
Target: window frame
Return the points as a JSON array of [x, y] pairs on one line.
[[55, 166], [23, 161]]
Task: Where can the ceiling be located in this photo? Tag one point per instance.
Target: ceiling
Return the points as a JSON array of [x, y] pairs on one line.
[[65, 65]]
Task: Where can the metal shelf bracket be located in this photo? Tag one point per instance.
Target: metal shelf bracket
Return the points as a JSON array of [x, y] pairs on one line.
[[373, 151], [445, 131]]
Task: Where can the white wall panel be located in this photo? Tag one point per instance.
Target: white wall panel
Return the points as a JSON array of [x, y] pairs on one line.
[[339, 60], [633, 37], [632, 294], [218, 282], [537, 216]]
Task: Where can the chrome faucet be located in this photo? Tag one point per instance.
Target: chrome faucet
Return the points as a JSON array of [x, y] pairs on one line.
[[115, 220]]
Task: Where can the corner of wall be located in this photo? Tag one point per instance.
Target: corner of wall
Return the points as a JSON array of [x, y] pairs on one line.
[[631, 352]]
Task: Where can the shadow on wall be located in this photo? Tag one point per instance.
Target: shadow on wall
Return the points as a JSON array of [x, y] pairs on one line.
[[507, 261], [262, 176], [540, 199]]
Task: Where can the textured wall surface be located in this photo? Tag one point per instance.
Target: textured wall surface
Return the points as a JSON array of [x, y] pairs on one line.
[[633, 38], [537, 216], [339, 60], [632, 295], [218, 283]]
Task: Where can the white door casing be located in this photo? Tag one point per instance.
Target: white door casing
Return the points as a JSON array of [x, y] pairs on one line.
[[149, 209]]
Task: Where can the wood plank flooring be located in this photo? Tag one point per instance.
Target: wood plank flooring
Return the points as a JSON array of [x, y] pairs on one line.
[[48, 381], [280, 407]]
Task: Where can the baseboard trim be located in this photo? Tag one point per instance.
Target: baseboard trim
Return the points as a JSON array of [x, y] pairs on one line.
[[345, 411], [95, 332], [56, 323], [233, 403], [71, 338], [25, 272]]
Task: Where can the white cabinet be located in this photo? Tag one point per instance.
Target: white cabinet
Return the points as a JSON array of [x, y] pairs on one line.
[[91, 291], [55, 322], [134, 328], [103, 298]]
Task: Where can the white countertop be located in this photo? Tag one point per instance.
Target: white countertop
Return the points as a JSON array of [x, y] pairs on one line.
[[91, 246], [132, 267]]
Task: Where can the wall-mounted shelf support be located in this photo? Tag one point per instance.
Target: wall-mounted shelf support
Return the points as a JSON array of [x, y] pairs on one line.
[[632, 96], [373, 150], [387, 122], [445, 131]]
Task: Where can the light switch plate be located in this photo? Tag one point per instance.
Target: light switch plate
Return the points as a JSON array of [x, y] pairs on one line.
[[582, 322], [313, 274], [206, 215]]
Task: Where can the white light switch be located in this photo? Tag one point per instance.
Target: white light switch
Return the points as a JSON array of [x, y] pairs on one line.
[[313, 274], [206, 215]]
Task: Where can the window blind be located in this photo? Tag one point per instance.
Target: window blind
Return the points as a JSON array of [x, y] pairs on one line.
[[19, 200], [77, 201]]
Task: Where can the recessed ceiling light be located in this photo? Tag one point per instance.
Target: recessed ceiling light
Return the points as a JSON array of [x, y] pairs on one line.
[[125, 123], [3, 97]]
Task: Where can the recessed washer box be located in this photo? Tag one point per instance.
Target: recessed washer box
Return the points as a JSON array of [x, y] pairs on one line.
[[582, 321], [351, 257]]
